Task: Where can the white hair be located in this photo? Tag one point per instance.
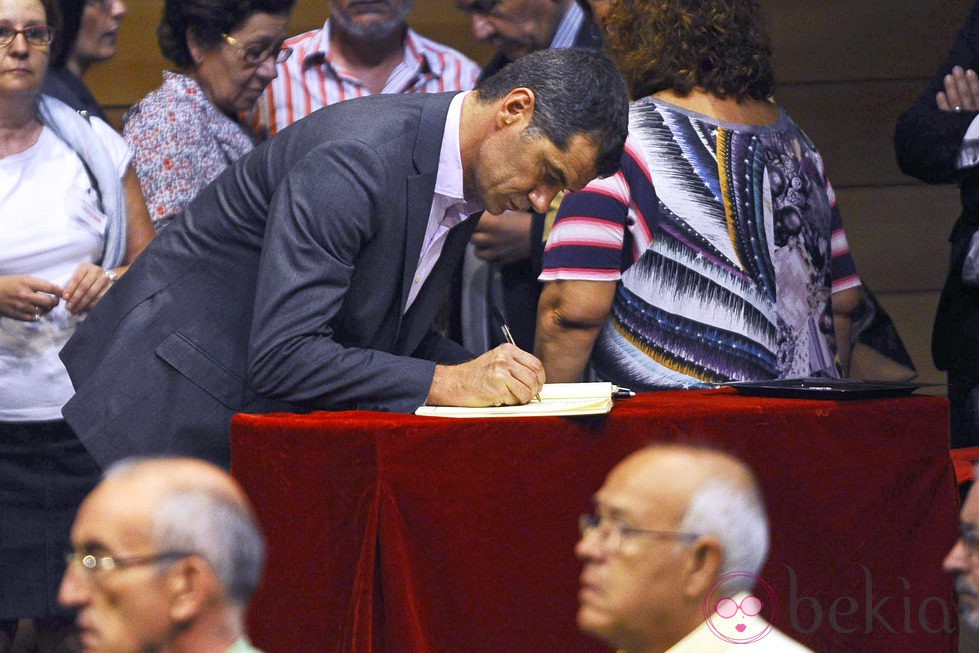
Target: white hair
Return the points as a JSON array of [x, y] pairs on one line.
[[212, 524], [220, 530], [734, 512]]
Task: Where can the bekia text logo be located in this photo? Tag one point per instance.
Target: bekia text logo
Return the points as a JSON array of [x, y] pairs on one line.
[[743, 618]]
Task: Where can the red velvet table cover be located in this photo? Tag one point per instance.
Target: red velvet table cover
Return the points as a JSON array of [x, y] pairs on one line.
[[394, 533]]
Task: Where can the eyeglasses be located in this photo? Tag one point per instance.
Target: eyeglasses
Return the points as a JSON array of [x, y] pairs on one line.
[[254, 55], [613, 532], [967, 533], [750, 606], [93, 563], [36, 35]]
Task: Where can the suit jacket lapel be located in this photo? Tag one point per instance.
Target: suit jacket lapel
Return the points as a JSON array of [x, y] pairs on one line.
[[419, 318], [421, 189], [420, 184]]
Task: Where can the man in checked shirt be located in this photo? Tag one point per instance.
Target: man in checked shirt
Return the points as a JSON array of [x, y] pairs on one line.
[[364, 48]]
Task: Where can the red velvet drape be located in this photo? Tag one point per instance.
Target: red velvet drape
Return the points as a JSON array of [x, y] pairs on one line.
[[417, 534]]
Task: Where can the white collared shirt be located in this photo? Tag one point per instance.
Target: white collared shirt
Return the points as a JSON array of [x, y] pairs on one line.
[[449, 206]]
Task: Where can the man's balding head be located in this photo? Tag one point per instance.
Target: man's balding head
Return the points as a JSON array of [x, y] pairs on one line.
[[670, 520], [168, 554]]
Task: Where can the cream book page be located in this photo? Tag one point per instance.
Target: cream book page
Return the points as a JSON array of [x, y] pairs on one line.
[[555, 399]]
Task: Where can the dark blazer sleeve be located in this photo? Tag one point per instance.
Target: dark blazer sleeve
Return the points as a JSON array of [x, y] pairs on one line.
[[436, 347], [331, 207], [927, 139]]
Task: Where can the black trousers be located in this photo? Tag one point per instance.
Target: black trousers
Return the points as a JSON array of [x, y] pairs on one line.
[[45, 473]]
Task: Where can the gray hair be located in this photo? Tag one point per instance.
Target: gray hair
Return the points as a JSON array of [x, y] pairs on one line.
[[733, 512], [218, 529], [210, 523]]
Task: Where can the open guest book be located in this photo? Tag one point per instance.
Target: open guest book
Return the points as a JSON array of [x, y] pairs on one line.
[[555, 399]]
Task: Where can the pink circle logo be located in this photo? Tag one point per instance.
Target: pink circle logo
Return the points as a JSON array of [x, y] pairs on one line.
[[743, 618]]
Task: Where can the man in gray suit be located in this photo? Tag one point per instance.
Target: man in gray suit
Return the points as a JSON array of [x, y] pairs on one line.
[[308, 274], [499, 277]]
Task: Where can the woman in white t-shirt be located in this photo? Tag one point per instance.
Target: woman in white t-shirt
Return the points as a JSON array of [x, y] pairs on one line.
[[71, 220]]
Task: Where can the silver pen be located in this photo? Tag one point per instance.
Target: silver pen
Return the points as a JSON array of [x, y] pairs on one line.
[[508, 336]]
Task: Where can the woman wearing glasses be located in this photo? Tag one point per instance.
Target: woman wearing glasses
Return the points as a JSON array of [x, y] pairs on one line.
[[71, 220], [192, 127], [88, 35]]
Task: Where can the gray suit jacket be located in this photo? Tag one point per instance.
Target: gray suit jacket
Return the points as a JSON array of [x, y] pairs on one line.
[[281, 287]]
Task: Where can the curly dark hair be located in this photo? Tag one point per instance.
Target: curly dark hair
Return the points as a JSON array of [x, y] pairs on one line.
[[721, 46], [209, 19]]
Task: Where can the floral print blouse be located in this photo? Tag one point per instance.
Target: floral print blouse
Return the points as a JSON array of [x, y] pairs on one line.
[[180, 142]]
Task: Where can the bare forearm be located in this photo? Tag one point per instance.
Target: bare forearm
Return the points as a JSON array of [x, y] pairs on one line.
[[563, 351], [139, 228], [842, 325], [845, 305], [569, 318]]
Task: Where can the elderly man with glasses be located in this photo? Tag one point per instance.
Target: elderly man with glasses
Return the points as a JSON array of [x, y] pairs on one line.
[[166, 554], [672, 555]]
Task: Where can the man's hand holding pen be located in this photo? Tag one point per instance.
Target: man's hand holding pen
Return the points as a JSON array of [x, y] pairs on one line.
[[503, 376], [509, 338]]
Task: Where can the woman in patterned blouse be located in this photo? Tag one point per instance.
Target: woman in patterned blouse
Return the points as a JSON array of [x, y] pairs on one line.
[[717, 252], [192, 127]]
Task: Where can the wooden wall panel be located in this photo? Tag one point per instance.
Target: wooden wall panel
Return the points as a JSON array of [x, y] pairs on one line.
[[843, 40], [852, 125], [899, 234], [913, 313], [137, 66]]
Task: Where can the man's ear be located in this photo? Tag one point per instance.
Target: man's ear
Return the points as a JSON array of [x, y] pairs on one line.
[[516, 107], [191, 585], [703, 564]]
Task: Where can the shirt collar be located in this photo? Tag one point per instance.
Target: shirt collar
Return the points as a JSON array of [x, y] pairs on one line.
[[568, 28], [449, 181]]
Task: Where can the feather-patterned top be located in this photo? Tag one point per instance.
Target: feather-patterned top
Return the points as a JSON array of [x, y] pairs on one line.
[[728, 244]]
